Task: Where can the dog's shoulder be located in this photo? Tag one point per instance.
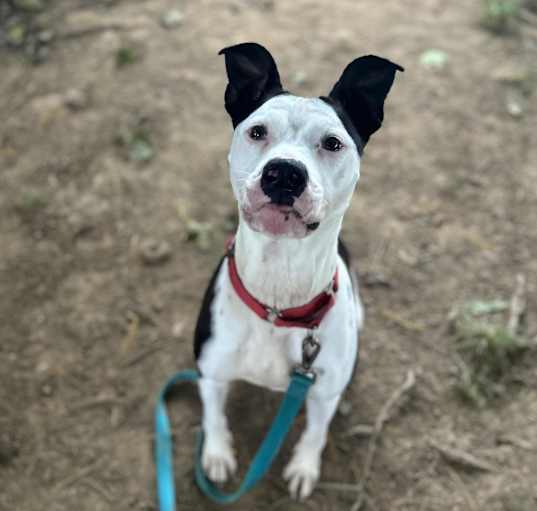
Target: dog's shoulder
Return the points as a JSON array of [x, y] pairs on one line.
[[204, 324]]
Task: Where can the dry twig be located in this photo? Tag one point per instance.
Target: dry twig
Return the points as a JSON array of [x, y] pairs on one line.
[[359, 430], [73, 478], [141, 355], [517, 307], [405, 324], [380, 421], [460, 457], [94, 403], [99, 489], [335, 486], [516, 441]]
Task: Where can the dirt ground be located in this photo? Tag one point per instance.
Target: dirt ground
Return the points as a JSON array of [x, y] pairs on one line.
[[113, 146]]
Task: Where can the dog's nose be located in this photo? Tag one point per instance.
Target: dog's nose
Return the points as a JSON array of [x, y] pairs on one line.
[[284, 180]]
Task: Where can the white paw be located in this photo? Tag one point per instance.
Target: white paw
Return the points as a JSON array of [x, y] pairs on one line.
[[217, 458], [302, 473]]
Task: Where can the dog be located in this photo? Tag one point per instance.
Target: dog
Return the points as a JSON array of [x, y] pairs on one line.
[[294, 164]]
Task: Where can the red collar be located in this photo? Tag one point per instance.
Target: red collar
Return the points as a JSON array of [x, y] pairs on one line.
[[308, 315]]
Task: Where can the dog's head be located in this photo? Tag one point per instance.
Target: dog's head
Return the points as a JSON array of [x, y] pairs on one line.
[[295, 161]]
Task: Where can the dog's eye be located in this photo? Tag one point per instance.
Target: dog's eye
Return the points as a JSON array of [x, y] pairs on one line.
[[332, 144], [258, 132]]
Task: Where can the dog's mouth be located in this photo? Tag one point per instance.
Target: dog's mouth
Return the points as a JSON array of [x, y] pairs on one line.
[[279, 220]]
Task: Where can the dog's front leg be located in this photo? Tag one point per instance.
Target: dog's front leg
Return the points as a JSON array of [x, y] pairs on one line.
[[304, 469], [218, 459]]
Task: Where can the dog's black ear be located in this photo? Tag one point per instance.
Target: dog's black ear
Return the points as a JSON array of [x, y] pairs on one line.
[[361, 91], [253, 78]]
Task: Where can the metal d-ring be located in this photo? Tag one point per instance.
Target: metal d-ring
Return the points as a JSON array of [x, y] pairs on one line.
[[272, 314]]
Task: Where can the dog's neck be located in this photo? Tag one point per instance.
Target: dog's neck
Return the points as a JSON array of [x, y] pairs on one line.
[[286, 272]]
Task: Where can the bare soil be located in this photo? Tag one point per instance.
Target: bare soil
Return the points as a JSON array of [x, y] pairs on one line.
[[445, 211]]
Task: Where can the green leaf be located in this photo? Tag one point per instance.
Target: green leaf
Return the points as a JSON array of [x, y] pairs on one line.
[[434, 59], [480, 307], [140, 149]]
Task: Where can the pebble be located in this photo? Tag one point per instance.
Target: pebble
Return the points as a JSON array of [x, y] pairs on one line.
[[155, 252], [45, 36], [75, 99], [178, 329], [344, 408], [172, 19], [375, 279], [514, 104], [46, 390]]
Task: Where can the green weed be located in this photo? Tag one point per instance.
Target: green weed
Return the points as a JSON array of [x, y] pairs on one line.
[[126, 56], [500, 16], [487, 351]]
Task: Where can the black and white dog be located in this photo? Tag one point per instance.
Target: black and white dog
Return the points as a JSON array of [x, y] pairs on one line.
[[294, 164]]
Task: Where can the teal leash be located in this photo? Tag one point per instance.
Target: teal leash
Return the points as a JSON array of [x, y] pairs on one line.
[[163, 442], [302, 378]]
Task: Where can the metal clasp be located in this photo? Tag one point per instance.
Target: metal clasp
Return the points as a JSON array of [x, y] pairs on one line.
[[272, 314], [310, 350]]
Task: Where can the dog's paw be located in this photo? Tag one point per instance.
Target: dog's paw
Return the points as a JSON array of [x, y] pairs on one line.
[[302, 473], [218, 459]]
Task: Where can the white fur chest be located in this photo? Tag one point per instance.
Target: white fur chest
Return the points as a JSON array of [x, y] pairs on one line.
[[244, 347], [266, 356]]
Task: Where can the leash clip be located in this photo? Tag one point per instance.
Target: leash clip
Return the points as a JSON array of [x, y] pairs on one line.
[[310, 350]]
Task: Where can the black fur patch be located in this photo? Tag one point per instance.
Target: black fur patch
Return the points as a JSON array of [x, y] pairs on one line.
[[204, 325], [347, 123], [253, 79], [361, 91], [344, 253]]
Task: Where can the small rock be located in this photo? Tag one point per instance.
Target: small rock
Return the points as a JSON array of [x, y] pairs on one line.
[[375, 279], [178, 329], [46, 390], [155, 252], [299, 78], [514, 103], [75, 99], [172, 19], [43, 367], [344, 408], [45, 36]]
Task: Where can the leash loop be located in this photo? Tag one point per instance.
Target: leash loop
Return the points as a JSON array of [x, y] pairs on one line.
[[290, 406]]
